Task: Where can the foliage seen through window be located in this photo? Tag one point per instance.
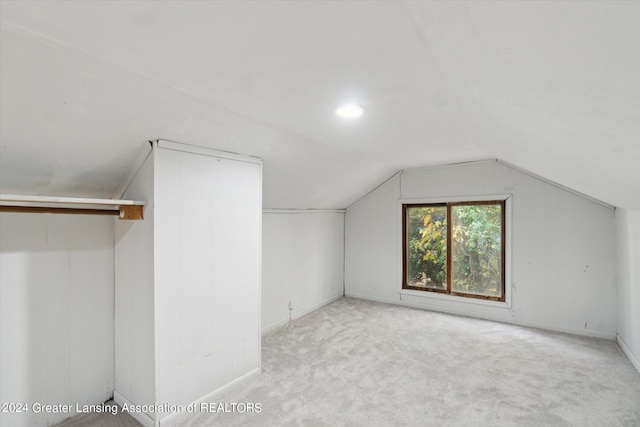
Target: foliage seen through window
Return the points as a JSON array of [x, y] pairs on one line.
[[455, 248]]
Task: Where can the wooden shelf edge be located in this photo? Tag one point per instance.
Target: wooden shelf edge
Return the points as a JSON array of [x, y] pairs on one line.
[[124, 209]]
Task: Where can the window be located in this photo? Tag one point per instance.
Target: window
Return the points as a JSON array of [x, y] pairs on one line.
[[455, 248]]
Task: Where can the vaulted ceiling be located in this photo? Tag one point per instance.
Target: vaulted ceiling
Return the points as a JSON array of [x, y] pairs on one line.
[[552, 87]]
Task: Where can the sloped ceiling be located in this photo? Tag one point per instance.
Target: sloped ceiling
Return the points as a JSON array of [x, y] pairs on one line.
[[552, 87]]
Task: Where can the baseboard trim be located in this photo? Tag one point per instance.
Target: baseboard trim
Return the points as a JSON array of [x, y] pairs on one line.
[[141, 417], [426, 306], [177, 418], [376, 299], [627, 351], [298, 314]]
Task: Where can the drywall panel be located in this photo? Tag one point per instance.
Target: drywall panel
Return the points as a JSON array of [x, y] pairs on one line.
[[56, 313], [371, 244], [302, 264], [628, 277], [134, 299], [562, 248], [207, 273]]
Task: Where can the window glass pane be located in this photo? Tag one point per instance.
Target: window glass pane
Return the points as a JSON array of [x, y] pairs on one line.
[[476, 249], [427, 247]]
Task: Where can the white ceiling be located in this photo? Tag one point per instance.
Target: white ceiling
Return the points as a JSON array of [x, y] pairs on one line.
[[553, 87]]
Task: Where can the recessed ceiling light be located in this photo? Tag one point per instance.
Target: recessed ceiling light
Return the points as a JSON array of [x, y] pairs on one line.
[[350, 111]]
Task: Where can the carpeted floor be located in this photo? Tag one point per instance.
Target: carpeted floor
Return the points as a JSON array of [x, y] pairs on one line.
[[360, 363], [105, 419]]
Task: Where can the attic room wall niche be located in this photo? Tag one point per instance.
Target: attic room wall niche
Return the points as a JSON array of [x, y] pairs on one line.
[[562, 248], [56, 313], [303, 263], [188, 279]]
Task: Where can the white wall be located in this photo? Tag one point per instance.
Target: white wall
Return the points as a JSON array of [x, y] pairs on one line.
[[188, 279], [628, 277], [303, 263], [56, 312], [207, 273], [562, 245], [134, 299]]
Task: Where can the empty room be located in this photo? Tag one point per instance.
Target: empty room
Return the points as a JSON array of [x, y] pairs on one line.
[[319, 213]]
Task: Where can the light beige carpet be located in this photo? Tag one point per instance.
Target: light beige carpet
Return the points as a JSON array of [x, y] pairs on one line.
[[359, 363], [106, 419]]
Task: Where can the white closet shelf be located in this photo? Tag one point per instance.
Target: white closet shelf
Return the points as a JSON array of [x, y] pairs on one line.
[[124, 209]]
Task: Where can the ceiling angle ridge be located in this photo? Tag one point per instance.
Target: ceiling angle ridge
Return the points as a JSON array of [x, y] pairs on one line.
[[555, 184], [138, 161], [373, 190], [450, 165]]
